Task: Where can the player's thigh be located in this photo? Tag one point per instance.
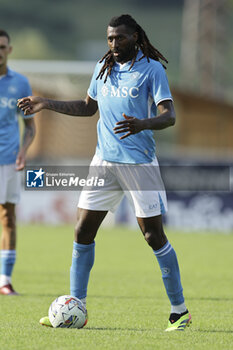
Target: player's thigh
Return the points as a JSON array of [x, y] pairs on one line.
[[88, 224], [90, 219], [10, 184], [7, 214], [149, 224]]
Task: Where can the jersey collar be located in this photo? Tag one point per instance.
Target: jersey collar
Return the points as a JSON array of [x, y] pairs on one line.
[[10, 72]]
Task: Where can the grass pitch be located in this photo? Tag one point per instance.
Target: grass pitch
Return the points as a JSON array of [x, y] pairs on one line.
[[127, 304]]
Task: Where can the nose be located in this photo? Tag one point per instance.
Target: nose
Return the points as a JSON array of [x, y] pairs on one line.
[[115, 43]]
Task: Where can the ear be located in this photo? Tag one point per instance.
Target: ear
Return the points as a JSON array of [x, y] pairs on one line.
[[10, 48]]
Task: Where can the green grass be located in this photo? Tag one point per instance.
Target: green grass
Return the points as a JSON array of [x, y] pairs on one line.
[[127, 305]]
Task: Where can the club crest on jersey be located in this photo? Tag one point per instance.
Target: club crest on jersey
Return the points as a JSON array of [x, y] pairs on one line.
[[134, 75], [121, 91], [104, 90], [12, 89]]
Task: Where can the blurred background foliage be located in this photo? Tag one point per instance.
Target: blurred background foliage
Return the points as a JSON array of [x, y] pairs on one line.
[[76, 29]]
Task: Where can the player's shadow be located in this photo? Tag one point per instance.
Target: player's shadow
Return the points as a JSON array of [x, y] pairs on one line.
[[210, 298], [118, 329], [153, 330], [124, 297], [149, 297], [213, 331]]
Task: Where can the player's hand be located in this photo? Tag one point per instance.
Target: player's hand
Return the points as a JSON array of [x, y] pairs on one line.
[[31, 104], [129, 126], [20, 161]]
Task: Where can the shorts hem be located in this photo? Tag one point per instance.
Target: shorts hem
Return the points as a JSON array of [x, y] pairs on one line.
[[11, 202], [87, 207], [150, 215]]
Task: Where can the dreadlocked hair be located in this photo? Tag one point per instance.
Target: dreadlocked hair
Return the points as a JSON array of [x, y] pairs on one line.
[[143, 43]]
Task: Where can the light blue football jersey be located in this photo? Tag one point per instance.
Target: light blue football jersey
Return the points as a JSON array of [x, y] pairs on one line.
[[135, 92], [12, 87]]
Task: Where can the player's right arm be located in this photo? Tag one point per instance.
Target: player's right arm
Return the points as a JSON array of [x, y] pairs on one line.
[[82, 108]]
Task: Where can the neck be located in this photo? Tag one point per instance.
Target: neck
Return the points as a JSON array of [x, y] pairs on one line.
[[3, 69]]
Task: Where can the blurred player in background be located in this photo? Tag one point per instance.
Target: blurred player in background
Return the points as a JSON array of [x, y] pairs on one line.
[[128, 85], [12, 158]]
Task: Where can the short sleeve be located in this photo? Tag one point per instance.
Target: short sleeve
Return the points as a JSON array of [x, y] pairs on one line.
[[159, 87], [26, 91], [92, 90]]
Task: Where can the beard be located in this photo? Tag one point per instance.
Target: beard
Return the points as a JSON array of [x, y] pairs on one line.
[[124, 55]]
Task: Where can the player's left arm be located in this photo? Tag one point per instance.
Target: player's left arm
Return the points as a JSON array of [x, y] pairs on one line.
[[132, 125], [28, 136]]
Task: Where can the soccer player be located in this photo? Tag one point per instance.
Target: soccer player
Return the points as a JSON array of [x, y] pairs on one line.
[[128, 85], [12, 158]]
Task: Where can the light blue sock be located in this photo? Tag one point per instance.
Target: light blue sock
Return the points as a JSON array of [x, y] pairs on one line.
[[168, 263], [8, 258], [82, 261]]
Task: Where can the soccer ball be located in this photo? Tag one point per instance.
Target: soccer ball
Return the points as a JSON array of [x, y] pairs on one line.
[[67, 312]]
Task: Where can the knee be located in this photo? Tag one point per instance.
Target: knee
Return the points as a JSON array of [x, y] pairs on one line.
[[82, 233], [155, 240], [79, 232], [149, 238], [8, 219]]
